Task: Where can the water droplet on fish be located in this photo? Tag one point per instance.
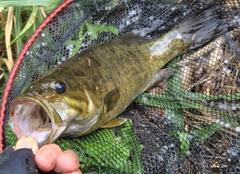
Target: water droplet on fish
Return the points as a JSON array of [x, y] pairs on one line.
[[199, 40]]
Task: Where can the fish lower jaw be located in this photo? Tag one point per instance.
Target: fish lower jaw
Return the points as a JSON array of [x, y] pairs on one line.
[[29, 118], [39, 134]]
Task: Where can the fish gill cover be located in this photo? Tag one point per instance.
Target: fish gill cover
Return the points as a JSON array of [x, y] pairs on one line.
[[189, 124]]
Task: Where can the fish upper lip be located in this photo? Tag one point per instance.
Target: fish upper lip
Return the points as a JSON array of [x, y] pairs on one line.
[[54, 116]]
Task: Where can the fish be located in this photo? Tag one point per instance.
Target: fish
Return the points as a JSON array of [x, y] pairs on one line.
[[89, 90]]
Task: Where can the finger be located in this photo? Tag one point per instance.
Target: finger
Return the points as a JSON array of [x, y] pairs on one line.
[[27, 142], [46, 157], [67, 162]]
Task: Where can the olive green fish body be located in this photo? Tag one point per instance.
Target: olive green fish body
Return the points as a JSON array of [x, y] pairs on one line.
[[91, 89]]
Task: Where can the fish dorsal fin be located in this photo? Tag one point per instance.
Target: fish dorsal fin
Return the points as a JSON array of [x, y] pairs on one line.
[[114, 122], [111, 100]]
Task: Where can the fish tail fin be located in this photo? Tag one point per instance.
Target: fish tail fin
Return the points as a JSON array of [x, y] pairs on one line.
[[204, 27]]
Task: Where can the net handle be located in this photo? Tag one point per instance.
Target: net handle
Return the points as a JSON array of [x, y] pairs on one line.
[[18, 63]]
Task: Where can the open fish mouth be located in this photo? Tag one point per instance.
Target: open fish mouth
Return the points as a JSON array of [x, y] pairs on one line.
[[30, 118]]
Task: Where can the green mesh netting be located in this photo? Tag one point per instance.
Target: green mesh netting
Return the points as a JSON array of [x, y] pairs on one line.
[[189, 124]]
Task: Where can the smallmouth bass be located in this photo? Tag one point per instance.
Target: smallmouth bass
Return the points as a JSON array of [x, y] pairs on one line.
[[92, 88]]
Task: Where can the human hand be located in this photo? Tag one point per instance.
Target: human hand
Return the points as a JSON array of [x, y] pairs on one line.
[[51, 157]]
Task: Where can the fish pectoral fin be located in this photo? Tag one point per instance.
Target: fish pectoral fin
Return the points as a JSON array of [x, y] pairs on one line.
[[111, 99], [162, 76], [114, 122]]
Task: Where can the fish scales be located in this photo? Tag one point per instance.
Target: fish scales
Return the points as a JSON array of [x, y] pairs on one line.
[[92, 88], [124, 71]]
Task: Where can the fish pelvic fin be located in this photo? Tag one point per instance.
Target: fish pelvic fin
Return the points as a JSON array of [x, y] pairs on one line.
[[199, 30], [114, 122]]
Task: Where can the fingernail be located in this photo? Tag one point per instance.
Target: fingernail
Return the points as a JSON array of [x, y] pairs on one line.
[[49, 156], [24, 143], [27, 142]]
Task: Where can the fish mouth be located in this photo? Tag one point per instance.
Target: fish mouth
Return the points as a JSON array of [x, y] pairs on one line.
[[31, 117]]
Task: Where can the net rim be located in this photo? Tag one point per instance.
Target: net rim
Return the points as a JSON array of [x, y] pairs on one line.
[[17, 64]]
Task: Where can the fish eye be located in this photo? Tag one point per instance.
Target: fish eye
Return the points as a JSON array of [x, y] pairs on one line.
[[60, 87]]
